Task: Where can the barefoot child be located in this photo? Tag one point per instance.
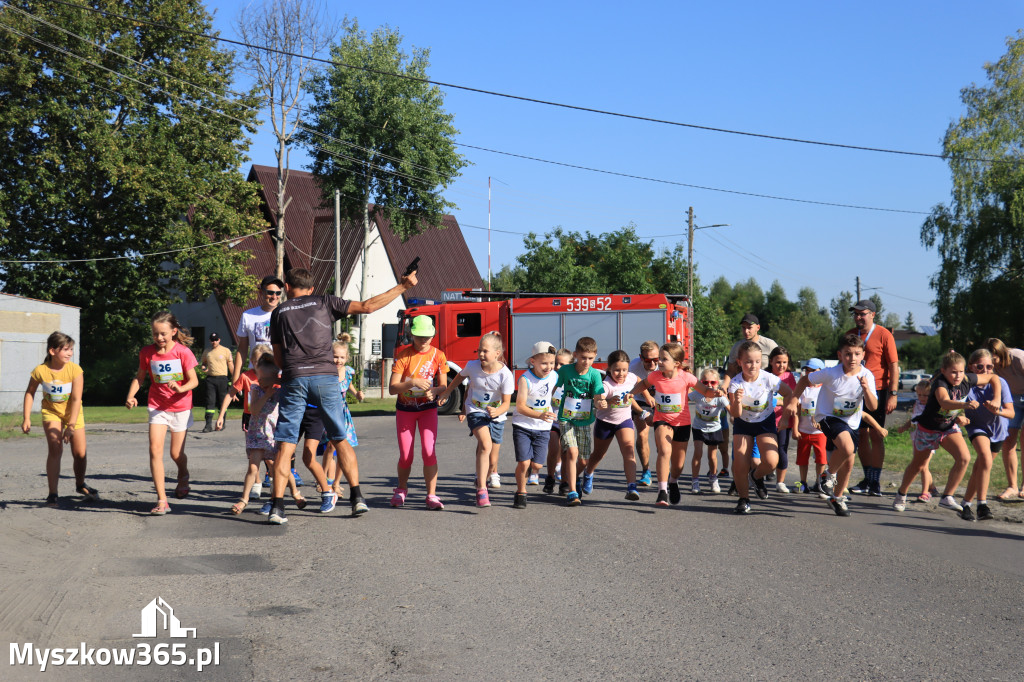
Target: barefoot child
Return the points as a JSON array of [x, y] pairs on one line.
[[584, 390], [63, 418], [845, 390], [259, 436], [672, 383], [707, 431], [531, 424], [751, 404], [170, 366], [491, 385], [937, 425], [420, 372], [616, 421], [987, 431], [562, 358]]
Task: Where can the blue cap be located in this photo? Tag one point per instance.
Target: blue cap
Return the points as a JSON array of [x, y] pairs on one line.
[[815, 364]]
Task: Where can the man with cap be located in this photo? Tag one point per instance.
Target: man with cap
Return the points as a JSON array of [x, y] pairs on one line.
[[749, 327], [218, 364], [882, 360], [254, 327]]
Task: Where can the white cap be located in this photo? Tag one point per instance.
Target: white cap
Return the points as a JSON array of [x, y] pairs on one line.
[[542, 347]]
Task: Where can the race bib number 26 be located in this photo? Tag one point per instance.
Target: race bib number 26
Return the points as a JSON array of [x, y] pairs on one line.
[[166, 371]]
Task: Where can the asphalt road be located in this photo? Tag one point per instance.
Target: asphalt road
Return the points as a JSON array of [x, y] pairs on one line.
[[611, 589]]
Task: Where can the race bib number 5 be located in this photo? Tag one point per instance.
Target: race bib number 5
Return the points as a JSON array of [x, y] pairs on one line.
[[166, 371], [668, 402], [576, 409]]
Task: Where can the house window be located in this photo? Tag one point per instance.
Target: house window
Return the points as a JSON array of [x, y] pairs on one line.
[[467, 324]]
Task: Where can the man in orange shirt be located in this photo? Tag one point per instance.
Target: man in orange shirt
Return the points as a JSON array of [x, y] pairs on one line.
[[881, 359]]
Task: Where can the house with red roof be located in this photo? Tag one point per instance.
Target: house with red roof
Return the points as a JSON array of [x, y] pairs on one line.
[[445, 260]]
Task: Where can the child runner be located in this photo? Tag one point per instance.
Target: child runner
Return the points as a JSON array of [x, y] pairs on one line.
[[923, 390], [845, 390], [809, 436], [937, 425], [562, 358], [491, 385], [751, 403], [63, 417], [329, 463], [259, 436], [584, 391], [241, 388], [778, 364], [531, 423], [987, 431], [707, 431], [170, 366], [616, 421], [420, 371], [672, 383]]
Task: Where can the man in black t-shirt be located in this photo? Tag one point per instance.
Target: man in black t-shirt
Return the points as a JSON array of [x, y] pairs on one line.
[[301, 334]]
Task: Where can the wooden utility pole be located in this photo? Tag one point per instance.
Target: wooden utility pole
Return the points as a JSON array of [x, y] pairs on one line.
[[858, 290], [689, 256]]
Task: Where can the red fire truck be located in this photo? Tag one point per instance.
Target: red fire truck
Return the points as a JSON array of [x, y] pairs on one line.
[[614, 320]]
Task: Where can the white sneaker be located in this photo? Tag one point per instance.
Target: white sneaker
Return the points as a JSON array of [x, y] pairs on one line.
[[534, 479], [715, 488], [781, 487], [949, 502], [494, 481], [899, 502], [695, 488], [257, 490]]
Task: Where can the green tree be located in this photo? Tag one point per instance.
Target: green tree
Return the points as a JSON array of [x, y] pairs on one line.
[[842, 318], [908, 322], [891, 321], [922, 353], [979, 236], [115, 138], [379, 137]]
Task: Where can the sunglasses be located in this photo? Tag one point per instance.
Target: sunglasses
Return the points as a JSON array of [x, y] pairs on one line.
[[272, 292], [981, 366], [648, 361], [710, 383]]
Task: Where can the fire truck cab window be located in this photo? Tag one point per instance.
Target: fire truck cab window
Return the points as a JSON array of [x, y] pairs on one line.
[[467, 324]]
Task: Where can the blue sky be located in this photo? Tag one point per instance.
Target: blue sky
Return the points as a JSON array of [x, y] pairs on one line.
[[873, 74]]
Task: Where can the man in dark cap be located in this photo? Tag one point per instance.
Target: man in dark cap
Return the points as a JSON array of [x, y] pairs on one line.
[[218, 364], [749, 327]]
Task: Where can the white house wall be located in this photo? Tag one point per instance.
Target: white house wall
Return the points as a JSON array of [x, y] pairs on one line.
[[380, 278]]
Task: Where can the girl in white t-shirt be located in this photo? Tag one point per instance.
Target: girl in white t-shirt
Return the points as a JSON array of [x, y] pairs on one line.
[[491, 385], [707, 430], [616, 421], [752, 406]]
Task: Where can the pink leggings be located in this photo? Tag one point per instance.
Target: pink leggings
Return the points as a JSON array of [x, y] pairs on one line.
[[406, 423]]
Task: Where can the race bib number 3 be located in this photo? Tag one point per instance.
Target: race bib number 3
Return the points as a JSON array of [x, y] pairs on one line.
[[57, 393], [576, 409], [486, 400], [843, 407], [166, 371], [668, 402]]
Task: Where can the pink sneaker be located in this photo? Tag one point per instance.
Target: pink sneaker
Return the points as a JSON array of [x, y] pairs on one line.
[[434, 502], [482, 500], [398, 499]]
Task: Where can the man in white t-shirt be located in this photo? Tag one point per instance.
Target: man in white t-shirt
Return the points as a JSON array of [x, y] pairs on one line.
[[641, 366], [254, 327]]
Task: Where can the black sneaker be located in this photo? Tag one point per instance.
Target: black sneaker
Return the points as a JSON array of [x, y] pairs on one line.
[[826, 484], [520, 501], [563, 488], [662, 500], [968, 514], [359, 506], [758, 485], [805, 488], [861, 488], [770, 478], [549, 485], [838, 505], [984, 513], [875, 489], [742, 507], [673, 492], [732, 488]]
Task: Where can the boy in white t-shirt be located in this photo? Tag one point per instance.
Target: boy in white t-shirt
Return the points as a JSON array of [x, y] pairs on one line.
[[531, 423], [846, 390]]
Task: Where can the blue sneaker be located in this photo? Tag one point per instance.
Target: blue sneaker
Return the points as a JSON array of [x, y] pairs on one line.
[[631, 493], [645, 480], [267, 481], [573, 499], [298, 479], [588, 484], [265, 509], [328, 500]]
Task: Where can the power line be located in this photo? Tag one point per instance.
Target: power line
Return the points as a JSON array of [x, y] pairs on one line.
[[522, 98], [133, 257]]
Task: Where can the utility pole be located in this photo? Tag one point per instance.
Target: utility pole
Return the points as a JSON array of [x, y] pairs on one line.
[[689, 256], [363, 290], [337, 253], [858, 289]]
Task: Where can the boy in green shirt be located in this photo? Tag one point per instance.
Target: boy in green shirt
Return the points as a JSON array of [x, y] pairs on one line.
[[583, 390]]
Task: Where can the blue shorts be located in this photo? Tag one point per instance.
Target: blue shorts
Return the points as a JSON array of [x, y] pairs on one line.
[[296, 393], [1018, 412], [832, 427], [742, 427], [530, 444], [477, 420], [606, 430]]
